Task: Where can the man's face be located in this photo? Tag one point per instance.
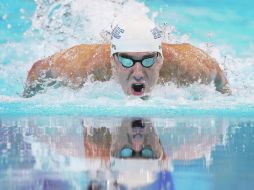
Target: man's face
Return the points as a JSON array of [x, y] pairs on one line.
[[137, 80], [139, 136]]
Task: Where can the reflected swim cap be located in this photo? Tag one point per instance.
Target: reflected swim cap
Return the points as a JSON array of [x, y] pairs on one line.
[[136, 35]]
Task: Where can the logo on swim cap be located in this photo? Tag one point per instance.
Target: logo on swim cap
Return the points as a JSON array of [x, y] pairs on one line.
[[134, 34], [113, 46], [156, 33], [116, 32]]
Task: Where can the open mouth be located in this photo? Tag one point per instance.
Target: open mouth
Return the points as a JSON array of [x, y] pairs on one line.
[[137, 89]]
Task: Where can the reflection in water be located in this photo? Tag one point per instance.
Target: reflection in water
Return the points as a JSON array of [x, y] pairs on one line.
[[131, 153], [136, 138], [15, 152], [233, 165], [134, 156], [18, 160]]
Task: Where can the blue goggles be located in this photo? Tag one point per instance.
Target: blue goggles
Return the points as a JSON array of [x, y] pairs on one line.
[[144, 153], [146, 61]]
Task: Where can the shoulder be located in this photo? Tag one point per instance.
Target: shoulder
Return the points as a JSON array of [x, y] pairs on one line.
[[182, 51]]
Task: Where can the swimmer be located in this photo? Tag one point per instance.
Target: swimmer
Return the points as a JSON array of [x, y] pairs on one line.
[[135, 56]]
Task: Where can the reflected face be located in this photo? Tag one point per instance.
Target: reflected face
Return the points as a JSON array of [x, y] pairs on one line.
[[136, 139], [137, 72]]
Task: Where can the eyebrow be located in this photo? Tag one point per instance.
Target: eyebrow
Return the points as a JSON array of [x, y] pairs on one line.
[[143, 57]]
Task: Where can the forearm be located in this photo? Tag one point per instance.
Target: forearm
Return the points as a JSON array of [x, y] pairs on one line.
[[221, 82]]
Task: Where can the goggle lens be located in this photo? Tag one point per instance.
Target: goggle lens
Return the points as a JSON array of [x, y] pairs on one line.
[[129, 62], [126, 62], [147, 153], [128, 153], [148, 62]]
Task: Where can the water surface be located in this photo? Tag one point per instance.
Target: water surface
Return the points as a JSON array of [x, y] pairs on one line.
[[76, 152]]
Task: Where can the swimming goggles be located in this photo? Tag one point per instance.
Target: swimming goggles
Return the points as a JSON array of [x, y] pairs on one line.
[[146, 152], [146, 61]]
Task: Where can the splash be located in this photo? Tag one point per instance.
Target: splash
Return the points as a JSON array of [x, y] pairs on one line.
[[69, 22]]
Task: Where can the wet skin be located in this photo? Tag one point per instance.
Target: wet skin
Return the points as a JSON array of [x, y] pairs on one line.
[[137, 80]]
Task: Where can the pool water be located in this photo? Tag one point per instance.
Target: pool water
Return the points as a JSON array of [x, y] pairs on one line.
[[47, 142], [75, 153]]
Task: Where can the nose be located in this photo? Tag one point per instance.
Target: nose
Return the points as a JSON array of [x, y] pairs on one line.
[[137, 146], [137, 142], [138, 72]]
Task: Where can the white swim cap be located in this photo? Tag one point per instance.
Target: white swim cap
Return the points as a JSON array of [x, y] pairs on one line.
[[135, 173], [136, 35]]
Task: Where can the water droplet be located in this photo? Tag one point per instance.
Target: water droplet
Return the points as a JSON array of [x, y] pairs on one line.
[[22, 11], [4, 17], [9, 26]]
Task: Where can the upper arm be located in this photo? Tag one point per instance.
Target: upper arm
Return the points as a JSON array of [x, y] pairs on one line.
[[185, 64], [70, 67]]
